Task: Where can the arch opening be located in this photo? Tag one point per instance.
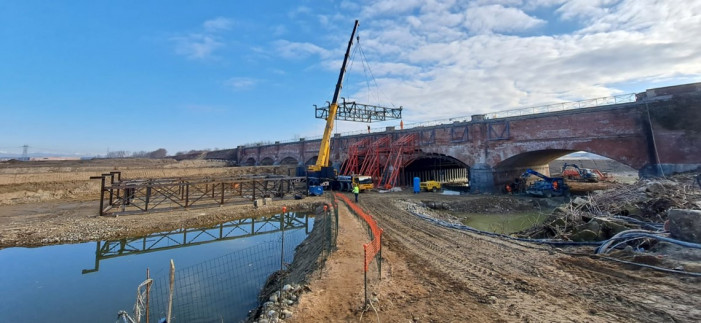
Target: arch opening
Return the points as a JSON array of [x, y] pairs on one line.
[[552, 163], [289, 161], [436, 167], [250, 162], [267, 161]]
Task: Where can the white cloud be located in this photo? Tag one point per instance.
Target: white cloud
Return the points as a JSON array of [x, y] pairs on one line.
[[497, 18], [427, 60], [585, 8], [201, 45], [295, 50], [196, 46], [218, 24], [279, 30], [301, 10], [241, 83], [394, 7]]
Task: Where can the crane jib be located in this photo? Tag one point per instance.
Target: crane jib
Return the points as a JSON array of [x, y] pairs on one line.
[[324, 148]]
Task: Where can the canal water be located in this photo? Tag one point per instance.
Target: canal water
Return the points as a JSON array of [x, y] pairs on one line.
[[502, 223], [219, 272]]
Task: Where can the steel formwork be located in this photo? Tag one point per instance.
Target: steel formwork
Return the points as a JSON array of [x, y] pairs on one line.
[[120, 196]]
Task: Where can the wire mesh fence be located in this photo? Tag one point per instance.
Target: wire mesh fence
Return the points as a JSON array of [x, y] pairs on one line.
[[228, 288]]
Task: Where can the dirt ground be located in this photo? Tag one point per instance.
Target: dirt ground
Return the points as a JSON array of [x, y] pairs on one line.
[[44, 203], [435, 274], [429, 273]]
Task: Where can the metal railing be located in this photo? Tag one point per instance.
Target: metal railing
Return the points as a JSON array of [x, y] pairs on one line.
[[590, 103], [563, 106]]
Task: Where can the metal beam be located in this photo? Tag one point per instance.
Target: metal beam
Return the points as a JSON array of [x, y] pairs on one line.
[[353, 111]]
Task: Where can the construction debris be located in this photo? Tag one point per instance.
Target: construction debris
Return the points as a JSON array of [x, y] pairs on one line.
[[595, 217]]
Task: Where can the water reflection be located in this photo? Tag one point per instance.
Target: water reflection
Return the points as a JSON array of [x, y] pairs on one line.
[[184, 237], [219, 272]]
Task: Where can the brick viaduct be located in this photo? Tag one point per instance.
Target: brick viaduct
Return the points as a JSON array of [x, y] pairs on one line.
[[657, 134]]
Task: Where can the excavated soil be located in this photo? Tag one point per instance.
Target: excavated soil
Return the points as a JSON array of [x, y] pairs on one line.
[[435, 274]]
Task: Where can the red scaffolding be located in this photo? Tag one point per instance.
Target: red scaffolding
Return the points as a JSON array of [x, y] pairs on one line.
[[403, 151]]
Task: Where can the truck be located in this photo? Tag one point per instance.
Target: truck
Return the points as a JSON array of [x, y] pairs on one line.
[[432, 186], [346, 183], [546, 186]]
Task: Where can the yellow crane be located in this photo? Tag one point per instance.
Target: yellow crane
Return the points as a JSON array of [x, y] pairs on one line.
[[322, 171], [322, 160]]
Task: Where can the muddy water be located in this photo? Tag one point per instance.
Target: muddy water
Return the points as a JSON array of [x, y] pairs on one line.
[[219, 272], [502, 223]]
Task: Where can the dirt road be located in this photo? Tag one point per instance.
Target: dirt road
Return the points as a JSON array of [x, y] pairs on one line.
[[435, 274]]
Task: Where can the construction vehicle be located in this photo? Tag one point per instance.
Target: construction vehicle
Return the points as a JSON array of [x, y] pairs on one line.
[[574, 172], [321, 173], [432, 186], [547, 186], [346, 183]]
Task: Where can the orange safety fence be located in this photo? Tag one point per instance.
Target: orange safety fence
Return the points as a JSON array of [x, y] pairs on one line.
[[373, 247]]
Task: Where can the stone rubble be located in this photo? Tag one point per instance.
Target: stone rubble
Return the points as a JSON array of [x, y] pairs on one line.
[[277, 308]]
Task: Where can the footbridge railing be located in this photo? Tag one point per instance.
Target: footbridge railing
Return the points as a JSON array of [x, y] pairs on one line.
[[121, 196]]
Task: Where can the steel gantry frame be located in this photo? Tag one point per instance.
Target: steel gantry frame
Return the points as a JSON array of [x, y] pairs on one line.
[[184, 237], [120, 196], [353, 111]]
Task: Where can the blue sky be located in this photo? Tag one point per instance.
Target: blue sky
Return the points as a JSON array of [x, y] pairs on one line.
[[82, 77]]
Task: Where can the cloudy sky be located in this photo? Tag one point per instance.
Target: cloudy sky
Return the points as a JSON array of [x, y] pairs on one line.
[[91, 76]]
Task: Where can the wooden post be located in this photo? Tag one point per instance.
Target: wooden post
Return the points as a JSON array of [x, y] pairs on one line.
[[222, 193], [148, 195], [170, 297], [148, 293], [187, 195]]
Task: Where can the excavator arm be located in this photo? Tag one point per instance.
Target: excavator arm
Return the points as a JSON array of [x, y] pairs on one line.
[[529, 172]]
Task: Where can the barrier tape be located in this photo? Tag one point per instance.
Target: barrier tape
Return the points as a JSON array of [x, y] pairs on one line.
[[374, 246]]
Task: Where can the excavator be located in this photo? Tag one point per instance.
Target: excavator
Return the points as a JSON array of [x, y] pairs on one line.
[[547, 186], [582, 174]]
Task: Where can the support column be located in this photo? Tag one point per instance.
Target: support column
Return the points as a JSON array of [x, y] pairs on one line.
[[482, 179]]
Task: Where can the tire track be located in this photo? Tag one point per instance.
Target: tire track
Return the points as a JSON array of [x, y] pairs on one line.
[[532, 283]]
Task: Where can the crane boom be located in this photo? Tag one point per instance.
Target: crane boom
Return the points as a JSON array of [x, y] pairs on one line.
[[325, 146]]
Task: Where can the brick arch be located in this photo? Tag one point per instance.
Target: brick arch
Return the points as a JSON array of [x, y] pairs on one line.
[[289, 160], [510, 168], [267, 161], [626, 152], [250, 161]]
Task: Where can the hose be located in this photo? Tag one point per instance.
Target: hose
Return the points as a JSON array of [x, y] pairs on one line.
[[633, 234], [648, 225], [639, 234], [503, 236]]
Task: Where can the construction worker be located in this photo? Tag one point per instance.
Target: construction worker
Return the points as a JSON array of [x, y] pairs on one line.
[[508, 189], [356, 191], [555, 185]]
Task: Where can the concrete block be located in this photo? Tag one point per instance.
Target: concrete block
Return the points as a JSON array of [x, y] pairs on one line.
[[258, 202], [268, 201], [685, 225]]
